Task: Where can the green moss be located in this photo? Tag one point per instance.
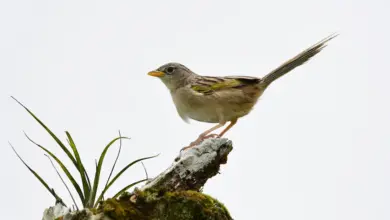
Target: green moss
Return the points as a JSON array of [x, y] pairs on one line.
[[81, 215], [121, 210], [157, 205], [191, 205]]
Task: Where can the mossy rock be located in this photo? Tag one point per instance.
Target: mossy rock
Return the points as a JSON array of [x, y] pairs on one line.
[[183, 205]]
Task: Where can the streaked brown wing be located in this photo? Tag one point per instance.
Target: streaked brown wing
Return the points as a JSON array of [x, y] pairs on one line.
[[208, 85]]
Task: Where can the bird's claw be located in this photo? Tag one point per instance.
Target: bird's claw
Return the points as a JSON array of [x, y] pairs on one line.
[[199, 140], [211, 136], [185, 148]]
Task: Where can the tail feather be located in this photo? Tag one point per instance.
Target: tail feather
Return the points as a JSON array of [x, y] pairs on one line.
[[296, 61]]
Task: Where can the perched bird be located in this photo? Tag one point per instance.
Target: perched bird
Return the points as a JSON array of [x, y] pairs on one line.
[[222, 99]]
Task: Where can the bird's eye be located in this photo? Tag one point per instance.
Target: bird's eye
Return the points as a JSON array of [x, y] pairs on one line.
[[170, 70]]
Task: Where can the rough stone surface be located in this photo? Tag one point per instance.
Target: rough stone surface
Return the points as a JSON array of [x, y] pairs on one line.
[[193, 167], [60, 212], [55, 211]]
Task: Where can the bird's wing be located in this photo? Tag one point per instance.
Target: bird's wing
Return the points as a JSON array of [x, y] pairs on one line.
[[207, 85]]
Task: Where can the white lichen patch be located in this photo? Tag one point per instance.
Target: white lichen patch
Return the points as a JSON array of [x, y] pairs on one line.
[[59, 210], [193, 160], [55, 211], [197, 158]]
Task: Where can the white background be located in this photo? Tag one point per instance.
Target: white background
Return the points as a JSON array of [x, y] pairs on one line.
[[316, 146]]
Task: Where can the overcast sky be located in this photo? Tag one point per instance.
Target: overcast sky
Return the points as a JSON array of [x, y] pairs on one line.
[[316, 146]]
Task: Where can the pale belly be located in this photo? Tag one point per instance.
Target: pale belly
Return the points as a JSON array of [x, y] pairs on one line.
[[217, 114], [216, 108]]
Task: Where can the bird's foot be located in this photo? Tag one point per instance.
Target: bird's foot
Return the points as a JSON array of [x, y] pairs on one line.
[[210, 136], [185, 148], [192, 144], [199, 140]]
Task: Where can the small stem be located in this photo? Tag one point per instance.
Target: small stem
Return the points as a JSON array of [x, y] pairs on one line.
[[146, 172], [116, 159], [62, 181]]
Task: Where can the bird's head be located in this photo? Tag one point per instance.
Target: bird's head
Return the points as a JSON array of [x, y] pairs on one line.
[[173, 75]]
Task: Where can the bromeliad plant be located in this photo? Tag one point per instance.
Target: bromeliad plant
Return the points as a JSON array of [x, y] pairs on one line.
[[88, 190]]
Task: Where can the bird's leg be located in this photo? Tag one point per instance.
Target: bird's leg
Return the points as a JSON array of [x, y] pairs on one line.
[[232, 123], [205, 135]]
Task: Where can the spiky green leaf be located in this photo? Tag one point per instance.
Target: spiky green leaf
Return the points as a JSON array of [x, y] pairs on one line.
[[66, 171], [115, 161], [119, 174], [99, 165], [80, 167], [63, 182], [63, 147], [51, 190]]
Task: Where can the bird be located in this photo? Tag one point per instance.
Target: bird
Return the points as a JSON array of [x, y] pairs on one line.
[[220, 100]]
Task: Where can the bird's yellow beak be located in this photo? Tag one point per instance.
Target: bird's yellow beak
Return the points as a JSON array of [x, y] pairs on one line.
[[156, 73]]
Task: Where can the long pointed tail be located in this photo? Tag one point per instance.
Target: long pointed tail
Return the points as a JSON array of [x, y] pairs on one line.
[[296, 61]]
